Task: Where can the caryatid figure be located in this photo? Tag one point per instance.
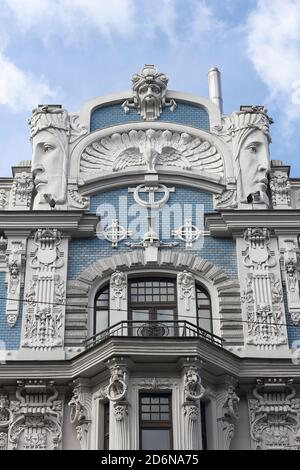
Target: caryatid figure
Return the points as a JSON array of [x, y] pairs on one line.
[[49, 135], [250, 136]]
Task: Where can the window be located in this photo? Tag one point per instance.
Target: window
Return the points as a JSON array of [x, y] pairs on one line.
[[101, 320], [204, 319], [155, 422], [106, 427], [154, 300]]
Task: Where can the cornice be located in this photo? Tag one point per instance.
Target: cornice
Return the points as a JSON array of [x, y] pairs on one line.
[[72, 223], [137, 176], [216, 361], [233, 223]]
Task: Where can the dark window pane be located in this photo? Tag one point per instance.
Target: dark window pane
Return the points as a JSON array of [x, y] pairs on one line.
[[156, 439]]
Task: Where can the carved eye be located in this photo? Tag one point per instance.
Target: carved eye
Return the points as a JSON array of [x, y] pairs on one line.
[[252, 148], [47, 148]]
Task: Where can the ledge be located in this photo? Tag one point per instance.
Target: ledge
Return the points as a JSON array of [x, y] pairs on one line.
[[229, 223], [73, 223], [153, 353]]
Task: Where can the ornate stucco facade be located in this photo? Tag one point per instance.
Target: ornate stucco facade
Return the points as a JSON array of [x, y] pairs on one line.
[[149, 278]]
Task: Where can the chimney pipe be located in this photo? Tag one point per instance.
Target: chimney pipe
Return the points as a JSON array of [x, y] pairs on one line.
[[214, 86]]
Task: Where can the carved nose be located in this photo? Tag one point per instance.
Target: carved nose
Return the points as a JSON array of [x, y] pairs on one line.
[[37, 170]]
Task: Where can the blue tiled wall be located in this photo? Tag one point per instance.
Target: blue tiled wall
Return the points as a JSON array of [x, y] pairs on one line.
[[292, 330], [218, 251], [9, 336], [187, 114]]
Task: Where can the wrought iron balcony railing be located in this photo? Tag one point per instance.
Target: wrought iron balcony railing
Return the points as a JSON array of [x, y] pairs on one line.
[[153, 329]]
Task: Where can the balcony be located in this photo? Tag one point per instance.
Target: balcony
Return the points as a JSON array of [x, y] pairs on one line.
[[153, 329]]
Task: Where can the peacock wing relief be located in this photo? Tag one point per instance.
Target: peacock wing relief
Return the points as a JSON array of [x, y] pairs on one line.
[[151, 148], [129, 157]]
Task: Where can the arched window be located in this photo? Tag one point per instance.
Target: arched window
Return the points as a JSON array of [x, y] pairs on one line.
[[101, 310], [204, 318]]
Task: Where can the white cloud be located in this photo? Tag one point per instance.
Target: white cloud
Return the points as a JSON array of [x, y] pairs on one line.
[[19, 90], [70, 16], [273, 44]]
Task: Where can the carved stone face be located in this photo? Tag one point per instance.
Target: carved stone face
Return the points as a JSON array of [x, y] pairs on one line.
[[150, 92], [254, 167], [49, 167]]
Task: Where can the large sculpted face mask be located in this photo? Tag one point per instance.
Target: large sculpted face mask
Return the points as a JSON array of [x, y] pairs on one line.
[[254, 167], [49, 166]]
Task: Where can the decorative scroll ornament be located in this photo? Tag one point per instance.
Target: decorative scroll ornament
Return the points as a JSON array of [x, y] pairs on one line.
[[21, 190], [262, 294], [227, 415], [290, 252], [3, 198], [280, 189], [188, 233], [76, 200], [115, 233], [149, 94], [45, 297], [186, 282], [274, 415], [226, 200], [152, 149], [36, 417], [118, 284], [80, 414], [15, 261]]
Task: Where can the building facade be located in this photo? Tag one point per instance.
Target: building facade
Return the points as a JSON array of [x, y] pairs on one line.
[[149, 278]]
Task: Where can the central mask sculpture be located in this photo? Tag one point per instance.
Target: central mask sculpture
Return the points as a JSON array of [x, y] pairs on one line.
[[149, 94]]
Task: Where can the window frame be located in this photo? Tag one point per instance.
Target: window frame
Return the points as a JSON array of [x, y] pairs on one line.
[[97, 309], [198, 285], [154, 305], [156, 424]]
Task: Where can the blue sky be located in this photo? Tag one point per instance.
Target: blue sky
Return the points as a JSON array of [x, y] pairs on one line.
[[69, 51]]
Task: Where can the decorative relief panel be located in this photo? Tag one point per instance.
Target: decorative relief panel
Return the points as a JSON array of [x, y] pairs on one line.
[[280, 189], [15, 260], [151, 149], [21, 191], [262, 293], [5, 419], [43, 320], [274, 415], [3, 198], [193, 391], [36, 422], [80, 415], [227, 403], [188, 233], [186, 282], [290, 262]]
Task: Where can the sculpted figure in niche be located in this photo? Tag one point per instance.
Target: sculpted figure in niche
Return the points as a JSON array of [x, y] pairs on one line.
[[49, 135], [249, 131]]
